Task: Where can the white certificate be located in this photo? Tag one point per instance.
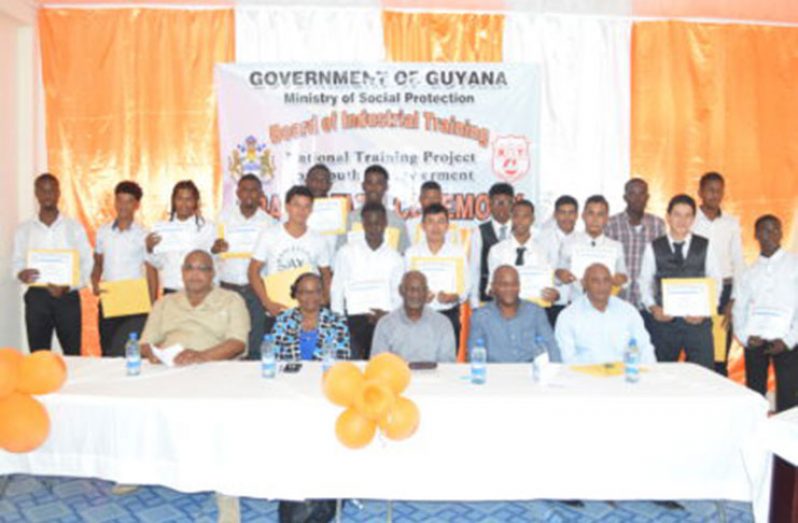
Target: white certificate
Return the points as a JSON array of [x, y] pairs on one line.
[[241, 239], [534, 280], [174, 238], [441, 274], [328, 216], [583, 257], [362, 296], [56, 266], [687, 297], [770, 323]]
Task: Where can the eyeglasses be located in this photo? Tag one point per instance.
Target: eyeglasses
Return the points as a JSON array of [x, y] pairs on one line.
[[201, 268]]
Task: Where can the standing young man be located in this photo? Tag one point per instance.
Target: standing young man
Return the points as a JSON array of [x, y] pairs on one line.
[[249, 218], [725, 239], [120, 255], [491, 232], [51, 307], [678, 254], [551, 238]]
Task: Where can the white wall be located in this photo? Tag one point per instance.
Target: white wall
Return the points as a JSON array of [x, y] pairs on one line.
[[19, 148]]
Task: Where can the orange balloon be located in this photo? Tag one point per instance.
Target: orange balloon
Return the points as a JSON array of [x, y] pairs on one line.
[[341, 383], [42, 372], [353, 430], [374, 399], [25, 423], [391, 369], [10, 362], [401, 420]]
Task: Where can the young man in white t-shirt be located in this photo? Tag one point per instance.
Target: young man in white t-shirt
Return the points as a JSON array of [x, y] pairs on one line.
[[119, 255], [286, 246]]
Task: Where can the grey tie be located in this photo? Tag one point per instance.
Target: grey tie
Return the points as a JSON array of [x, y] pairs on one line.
[[503, 232]]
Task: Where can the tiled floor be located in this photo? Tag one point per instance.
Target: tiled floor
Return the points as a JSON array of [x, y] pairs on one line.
[[66, 500]]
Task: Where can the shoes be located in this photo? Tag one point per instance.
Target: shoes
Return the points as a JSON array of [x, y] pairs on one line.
[[670, 505], [120, 489], [229, 509], [573, 503]]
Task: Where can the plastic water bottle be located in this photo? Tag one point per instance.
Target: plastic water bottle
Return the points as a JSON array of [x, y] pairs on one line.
[[268, 361], [327, 356], [133, 355], [539, 349], [479, 359], [631, 361]]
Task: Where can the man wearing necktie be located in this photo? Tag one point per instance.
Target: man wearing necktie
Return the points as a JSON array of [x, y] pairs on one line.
[[496, 229], [679, 254]]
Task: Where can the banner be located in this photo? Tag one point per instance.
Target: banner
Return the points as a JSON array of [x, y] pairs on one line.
[[465, 126]]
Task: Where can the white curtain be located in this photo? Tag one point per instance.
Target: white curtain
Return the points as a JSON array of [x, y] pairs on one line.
[[309, 34], [585, 104]]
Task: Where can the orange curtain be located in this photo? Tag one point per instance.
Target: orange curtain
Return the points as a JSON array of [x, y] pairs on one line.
[[718, 97], [442, 37], [129, 95]]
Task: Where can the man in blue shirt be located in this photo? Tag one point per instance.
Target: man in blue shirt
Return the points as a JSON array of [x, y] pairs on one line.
[[510, 326]]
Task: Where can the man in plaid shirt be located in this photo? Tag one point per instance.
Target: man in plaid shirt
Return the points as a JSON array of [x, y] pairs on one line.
[[634, 228]]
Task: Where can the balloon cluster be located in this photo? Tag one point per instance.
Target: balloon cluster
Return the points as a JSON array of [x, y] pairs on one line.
[[24, 422], [372, 399]]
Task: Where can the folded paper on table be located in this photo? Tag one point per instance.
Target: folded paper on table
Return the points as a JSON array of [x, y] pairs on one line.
[[173, 238], [125, 297], [55, 266], [362, 296], [391, 235], [583, 257], [328, 216], [240, 239], [167, 356], [444, 274], [770, 323], [603, 370], [688, 297], [278, 285]]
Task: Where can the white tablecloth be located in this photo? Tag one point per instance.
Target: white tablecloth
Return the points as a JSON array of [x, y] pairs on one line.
[[681, 433], [782, 435]]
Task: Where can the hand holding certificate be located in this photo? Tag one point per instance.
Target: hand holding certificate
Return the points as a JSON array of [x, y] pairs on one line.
[[55, 267], [444, 274], [688, 297], [533, 281], [172, 238], [278, 285], [240, 240], [124, 297], [770, 323], [328, 216], [583, 257], [363, 296]]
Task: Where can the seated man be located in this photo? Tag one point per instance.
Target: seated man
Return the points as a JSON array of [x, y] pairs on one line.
[[509, 325], [597, 327], [209, 322], [414, 331]]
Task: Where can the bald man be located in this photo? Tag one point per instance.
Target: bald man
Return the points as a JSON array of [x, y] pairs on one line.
[[414, 331], [209, 322], [513, 330], [597, 327]]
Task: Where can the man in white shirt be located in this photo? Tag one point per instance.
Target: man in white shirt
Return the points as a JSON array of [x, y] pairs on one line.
[[766, 298], [521, 251], [597, 327], [591, 245], [488, 234], [375, 187], [245, 220], [446, 300], [286, 246], [551, 238], [371, 268], [725, 239], [679, 254], [319, 180], [51, 307], [120, 254]]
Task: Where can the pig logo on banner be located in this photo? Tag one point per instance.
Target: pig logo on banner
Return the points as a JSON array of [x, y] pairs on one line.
[[511, 158]]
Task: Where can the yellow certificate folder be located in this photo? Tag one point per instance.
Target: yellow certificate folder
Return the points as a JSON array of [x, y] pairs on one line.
[[434, 280], [125, 297], [278, 285], [55, 266]]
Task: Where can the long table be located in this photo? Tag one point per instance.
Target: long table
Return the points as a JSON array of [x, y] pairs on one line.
[[682, 432]]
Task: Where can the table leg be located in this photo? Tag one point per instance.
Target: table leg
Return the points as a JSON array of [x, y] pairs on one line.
[[389, 512]]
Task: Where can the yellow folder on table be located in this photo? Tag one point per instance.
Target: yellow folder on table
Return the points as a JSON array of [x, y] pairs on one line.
[[391, 234], [125, 297], [278, 285]]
